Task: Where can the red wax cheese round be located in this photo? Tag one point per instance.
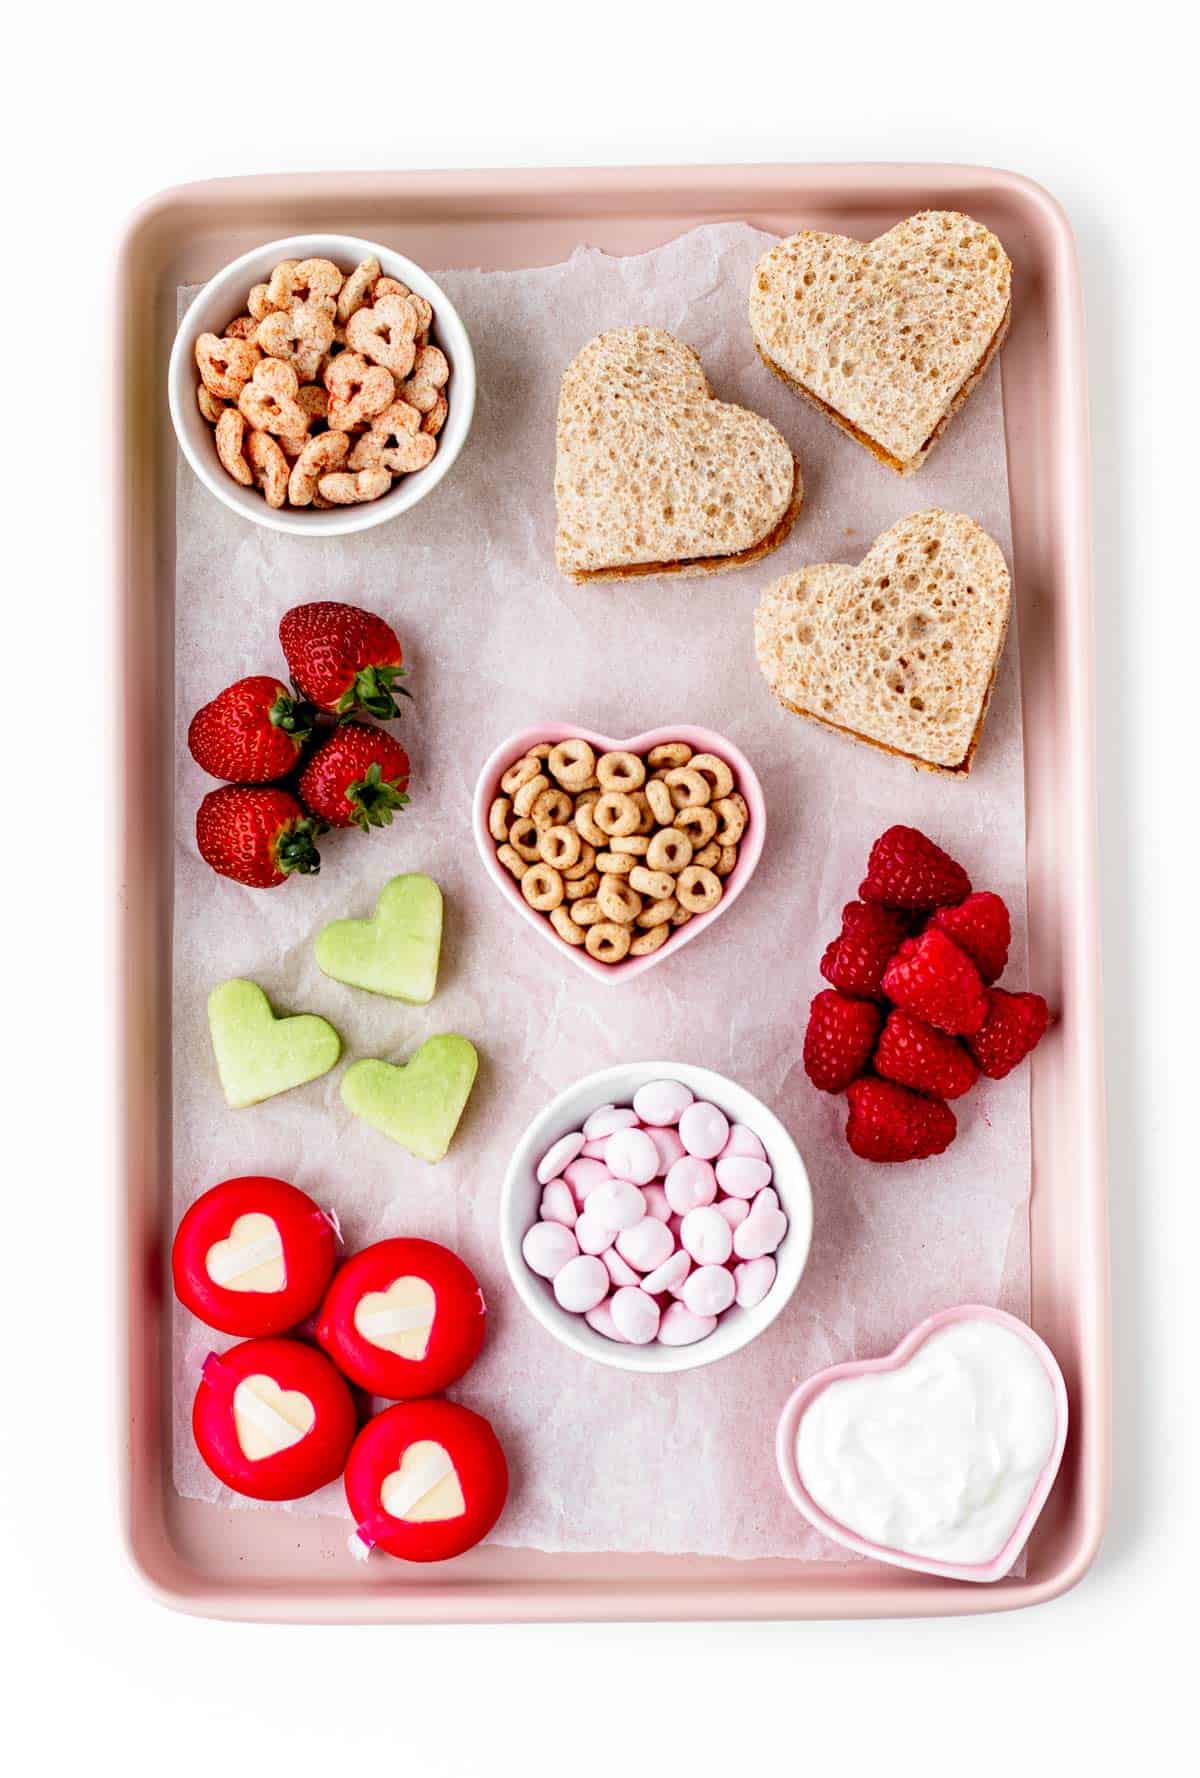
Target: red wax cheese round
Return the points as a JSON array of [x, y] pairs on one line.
[[253, 1256], [272, 1419], [426, 1480], [403, 1318]]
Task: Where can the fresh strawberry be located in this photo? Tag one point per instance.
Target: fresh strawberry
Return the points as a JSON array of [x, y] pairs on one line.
[[342, 658], [888, 1123], [251, 733], [913, 1054], [870, 937], [256, 835], [980, 926], [906, 870], [359, 777], [840, 1037], [932, 978], [1015, 1024]]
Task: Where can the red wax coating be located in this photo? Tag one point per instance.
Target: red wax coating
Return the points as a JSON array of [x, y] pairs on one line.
[[478, 1461], [308, 1256], [318, 1457], [454, 1339]]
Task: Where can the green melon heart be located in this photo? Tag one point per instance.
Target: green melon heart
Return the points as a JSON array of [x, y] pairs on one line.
[[417, 1105], [394, 952], [259, 1055]]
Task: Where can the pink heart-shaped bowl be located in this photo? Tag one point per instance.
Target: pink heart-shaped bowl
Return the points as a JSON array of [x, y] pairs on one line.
[[800, 1401], [700, 740]]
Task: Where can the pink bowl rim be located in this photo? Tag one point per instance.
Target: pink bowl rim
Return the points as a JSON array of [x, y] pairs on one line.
[[800, 1400], [700, 740]]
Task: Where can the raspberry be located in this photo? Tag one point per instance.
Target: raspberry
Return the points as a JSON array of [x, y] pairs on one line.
[[915, 1055], [888, 1123], [870, 938], [906, 870], [980, 926], [840, 1037], [932, 978], [1015, 1024]]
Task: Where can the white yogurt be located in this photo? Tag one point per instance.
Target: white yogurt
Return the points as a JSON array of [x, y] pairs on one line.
[[937, 1458]]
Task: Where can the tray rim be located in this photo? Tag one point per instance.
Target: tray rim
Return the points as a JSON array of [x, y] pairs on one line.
[[833, 1595]]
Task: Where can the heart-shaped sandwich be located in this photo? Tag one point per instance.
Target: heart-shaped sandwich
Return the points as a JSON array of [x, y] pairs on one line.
[[901, 651], [886, 337], [654, 475]]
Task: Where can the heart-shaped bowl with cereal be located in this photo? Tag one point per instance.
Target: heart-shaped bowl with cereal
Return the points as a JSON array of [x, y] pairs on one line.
[[321, 384], [619, 852]]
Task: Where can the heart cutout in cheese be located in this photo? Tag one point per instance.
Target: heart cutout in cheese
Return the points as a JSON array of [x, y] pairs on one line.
[[425, 1488], [420, 1103], [268, 1419], [259, 1055], [396, 951], [886, 337], [398, 1319], [653, 474], [901, 651], [250, 1257]]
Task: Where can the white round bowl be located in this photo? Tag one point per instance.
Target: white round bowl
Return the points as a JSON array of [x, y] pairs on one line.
[[224, 297], [521, 1195]]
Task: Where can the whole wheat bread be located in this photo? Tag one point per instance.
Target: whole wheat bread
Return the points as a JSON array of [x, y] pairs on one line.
[[900, 651], [887, 338], [654, 475]]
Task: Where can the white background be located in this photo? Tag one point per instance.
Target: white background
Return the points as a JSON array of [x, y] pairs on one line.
[[107, 106]]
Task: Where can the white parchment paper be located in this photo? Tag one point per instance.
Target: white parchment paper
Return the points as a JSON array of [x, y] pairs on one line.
[[496, 639]]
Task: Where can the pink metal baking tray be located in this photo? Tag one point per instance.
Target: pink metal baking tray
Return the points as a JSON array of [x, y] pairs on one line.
[[271, 1565]]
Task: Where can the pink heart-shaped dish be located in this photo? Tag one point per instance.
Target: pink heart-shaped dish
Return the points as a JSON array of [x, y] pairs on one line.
[[700, 740], [802, 1399]]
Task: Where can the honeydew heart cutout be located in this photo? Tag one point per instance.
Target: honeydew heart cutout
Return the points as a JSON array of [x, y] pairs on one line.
[[418, 1103], [268, 1419], [395, 951], [258, 1054]]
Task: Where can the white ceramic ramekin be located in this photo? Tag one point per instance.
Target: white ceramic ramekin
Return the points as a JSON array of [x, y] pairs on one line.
[[224, 297], [521, 1195]]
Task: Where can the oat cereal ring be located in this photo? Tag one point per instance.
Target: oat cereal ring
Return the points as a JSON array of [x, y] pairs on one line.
[[541, 751], [635, 844], [584, 822], [389, 287], [668, 755], [424, 310], [542, 887], [615, 864], [357, 289], [523, 837], [295, 281], [226, 365], [620, 771], [581, 888], [498, 818], [586, 911], [353, 490], [669, 850], [259, 302], [698, 890], [269, 466], [708, 857], [618, 901], [320, 455], [659, 799], [512, 861], [231, 435], [698, 823], [715, 770], [358, 391], [733, 815], [689, 789], [658, 913], [269, 399], [607, 942], [314, 400], [566, 927], [559, 846], [520, 772], [584, 865], [435, 419], [243, 328], [647, 822], [654, 883], [385, 333], [652, 939], [430, 372], [726, 862], [615, 813], [395, 440], [210, 405], [529, 792], [572, 763], [681, 916], [299, 337], [552, 808]]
